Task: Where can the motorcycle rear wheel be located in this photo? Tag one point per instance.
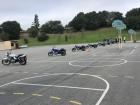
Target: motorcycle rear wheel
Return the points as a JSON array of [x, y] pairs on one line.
[[63, 53], [23, 61]]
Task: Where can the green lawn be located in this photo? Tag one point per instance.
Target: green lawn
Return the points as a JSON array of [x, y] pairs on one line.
[[79, 37]]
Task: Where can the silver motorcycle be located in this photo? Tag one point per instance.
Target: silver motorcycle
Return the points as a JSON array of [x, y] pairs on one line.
[[13, 58]]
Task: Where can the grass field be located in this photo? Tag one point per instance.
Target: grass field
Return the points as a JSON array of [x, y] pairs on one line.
[[80, 37]]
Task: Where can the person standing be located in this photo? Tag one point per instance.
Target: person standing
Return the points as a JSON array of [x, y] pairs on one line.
[[124, 39]]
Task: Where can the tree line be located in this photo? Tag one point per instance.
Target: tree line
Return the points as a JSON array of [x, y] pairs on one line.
[[93, 20], [10, 30]]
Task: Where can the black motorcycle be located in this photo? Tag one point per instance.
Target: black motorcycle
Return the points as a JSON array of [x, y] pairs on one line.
[[12, 58], [55, 51], [92, 46], [77, 48], [102, 44]]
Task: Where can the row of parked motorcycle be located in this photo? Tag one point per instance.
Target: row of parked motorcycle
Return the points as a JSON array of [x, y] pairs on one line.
[[22, 58], [62, 51]]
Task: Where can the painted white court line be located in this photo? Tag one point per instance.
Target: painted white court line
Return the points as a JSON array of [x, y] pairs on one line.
[[5, 72], [56, 98], [129, 77], [38, 95], [18, 93], [106, 55], [35, 73], [132, 51], [99, 75], [46, 73], [48, 61], [113, 76], [26, 72], [58, 86], [117, 64], [2, 93], [134, 61], [16, 72], [98, 102], [75, 102], [99, 61]]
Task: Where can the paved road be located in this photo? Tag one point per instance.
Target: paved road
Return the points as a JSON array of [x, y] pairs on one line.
[[103, 76]]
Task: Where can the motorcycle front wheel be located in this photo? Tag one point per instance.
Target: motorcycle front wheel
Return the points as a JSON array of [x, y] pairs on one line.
[[50, 53], [6, 62], [73, 49]]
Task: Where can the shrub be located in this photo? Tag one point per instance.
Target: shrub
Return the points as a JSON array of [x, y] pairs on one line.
[[26, 41], [42, 37]]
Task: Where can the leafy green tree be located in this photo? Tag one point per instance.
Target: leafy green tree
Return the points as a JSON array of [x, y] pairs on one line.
[[36, 22], [33, 31], [4, 36], [133, 12], [133, 18], [11, 29], [52, 27], [103, 19], [93, 20], [1, 29], [133, 22], [79, 22], [26, 41], [116, 16]]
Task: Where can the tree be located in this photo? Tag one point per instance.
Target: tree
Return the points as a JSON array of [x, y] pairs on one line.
[[79, 22], [34, 29], [93, 20], [4, 36], [116, 16], [103, 19], [1, 29], [26, 41], [42, 37], [11, 29], [52, 27], [133, 19], [36, 22], [33, 32]]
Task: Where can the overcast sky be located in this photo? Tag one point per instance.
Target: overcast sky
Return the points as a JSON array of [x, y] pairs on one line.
[[23, 11]]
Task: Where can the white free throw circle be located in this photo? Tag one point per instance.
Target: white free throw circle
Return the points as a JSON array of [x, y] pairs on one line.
[[115, 61]]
